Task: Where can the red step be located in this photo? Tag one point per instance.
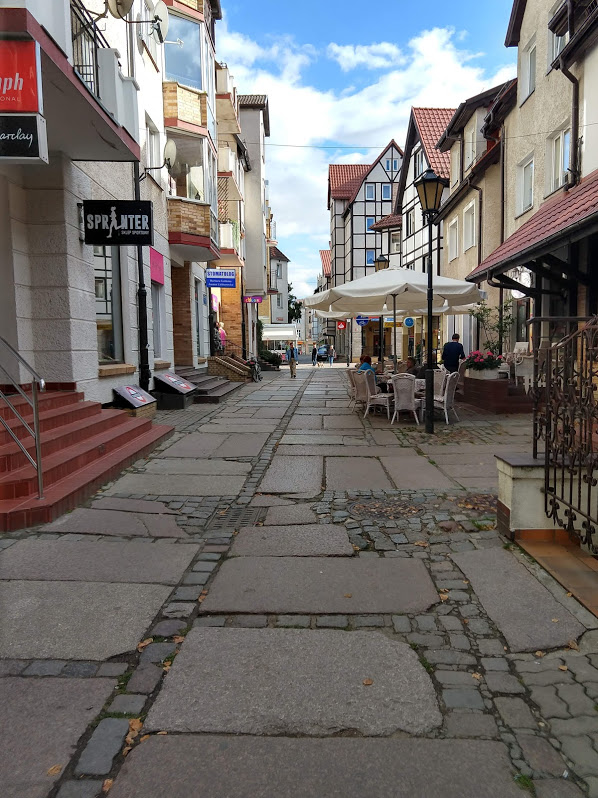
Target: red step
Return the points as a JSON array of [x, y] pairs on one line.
[[83, 414], [46, 401]]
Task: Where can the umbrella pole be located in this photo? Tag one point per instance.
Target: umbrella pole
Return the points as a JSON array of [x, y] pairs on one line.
[[394, 329]]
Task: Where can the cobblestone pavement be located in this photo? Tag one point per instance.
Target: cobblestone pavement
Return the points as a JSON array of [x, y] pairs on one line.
[[286, 599]]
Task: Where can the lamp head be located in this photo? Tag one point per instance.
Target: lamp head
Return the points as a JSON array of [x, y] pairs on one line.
[[381, 262], [429, 190]]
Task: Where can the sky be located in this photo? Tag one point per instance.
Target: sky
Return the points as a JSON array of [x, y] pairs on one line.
[[341, 77]]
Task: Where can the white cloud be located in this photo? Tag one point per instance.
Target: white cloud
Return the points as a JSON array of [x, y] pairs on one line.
[[434, 71], [372, 56]]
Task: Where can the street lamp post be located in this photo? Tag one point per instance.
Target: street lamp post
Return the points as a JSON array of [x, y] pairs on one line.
[[380, 263], [429, 189]]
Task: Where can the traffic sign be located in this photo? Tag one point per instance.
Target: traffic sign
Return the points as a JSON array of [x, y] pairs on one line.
[[409, 322], [362, 320]]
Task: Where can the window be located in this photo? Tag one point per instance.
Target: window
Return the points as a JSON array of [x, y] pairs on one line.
[[184, 64], [453, 239], [370, 191], [157, 318], [469, 148], [388, 160], [153, 156], [279, 300], [528, 70], [395, 242], [108, 304], [455, 164], [395, 164], [147, 30], [369, 221], [189, 179], [418, 163], [410, 223], [278, 271], [469, 236], [370, 257], [386, 191], [558, 158], [526, 185]]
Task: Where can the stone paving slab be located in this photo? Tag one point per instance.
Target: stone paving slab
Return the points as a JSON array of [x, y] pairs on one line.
[[295, 681], [247, 427], [296, 514], [356, 473], [177, 485], [187, 465], [84, 521], [75, 620], [292, 474], [518, 604], [42, 720], [273, 767], [307, 540], [84, 561], [413, 472], [248, 445], [265, 500], [132, 506], [304, 423], [313, 586], [302, 450], [321, 439], [196, 444], [343, 422]]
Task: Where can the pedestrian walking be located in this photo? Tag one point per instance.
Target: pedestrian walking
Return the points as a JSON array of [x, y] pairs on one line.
[[292, 358], [331, 355], [314, 356], [452, 353]]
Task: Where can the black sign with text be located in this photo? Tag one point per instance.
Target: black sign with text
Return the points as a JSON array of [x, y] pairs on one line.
[[118, 223], [22, 136]]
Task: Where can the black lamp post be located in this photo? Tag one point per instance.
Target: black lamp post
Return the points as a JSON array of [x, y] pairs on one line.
[[429, 189], [381, 262]]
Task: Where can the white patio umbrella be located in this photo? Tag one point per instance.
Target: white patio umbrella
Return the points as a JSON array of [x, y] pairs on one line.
[[403, 287]]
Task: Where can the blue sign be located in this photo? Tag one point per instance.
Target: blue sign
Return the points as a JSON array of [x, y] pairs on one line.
[[221, 278], [408, 322], [362, 320]]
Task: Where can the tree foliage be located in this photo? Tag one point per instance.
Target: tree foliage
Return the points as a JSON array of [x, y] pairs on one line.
[[295, 307], [494, 328]]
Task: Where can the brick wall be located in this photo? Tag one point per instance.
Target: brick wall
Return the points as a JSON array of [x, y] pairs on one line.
[[230, 311], [196, 5], [188, 217], [188, 105], [218, 367], [181, 314]]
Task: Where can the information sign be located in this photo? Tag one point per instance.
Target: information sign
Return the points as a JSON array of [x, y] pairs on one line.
[[221, 278], [409, 322], [118, 223]]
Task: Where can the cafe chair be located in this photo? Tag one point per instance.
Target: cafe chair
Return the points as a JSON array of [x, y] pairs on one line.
[[404, 395], [446, 402], [375, 399]]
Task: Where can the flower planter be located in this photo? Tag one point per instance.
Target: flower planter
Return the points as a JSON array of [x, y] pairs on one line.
[[482, 374]]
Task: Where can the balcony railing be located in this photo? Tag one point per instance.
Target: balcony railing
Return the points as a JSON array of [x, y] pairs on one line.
[[87, 40]]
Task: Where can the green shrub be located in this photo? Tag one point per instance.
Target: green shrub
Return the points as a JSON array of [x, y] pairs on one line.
[[271, 357]]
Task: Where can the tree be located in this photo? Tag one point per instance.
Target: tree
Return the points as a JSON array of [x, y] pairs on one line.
[[494, 328], [295, 307]]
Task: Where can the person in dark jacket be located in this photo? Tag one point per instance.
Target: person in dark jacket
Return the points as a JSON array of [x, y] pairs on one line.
[[314, 356], [452, 353]]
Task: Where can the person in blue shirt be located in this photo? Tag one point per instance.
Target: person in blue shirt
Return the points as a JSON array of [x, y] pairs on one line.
[[366, 365], [452, 353], [292, 358]]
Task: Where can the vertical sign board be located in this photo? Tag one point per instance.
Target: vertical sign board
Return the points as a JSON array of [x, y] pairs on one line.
[[23, 138], [118, 223], [20, 77]]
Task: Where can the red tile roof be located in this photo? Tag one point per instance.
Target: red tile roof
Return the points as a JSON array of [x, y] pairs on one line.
[[276, 254], [345, 178], [431, 124], [394, 220], [326, 262], [556, 217]]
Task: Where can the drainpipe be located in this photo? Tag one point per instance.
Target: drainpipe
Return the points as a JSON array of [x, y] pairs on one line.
[[574, 150]]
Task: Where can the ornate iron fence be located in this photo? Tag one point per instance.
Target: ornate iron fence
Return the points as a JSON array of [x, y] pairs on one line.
[[87, 40], [566, 421]]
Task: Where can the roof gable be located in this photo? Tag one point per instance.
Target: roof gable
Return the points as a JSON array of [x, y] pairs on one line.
[[344, 179], [276, 254], [514, 29], [378, 160], [464, 113]]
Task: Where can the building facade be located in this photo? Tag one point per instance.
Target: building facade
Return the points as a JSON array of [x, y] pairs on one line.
[[279, 286]]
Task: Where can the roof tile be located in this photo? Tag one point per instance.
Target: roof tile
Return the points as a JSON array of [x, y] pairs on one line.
[[431, 124], [276, 254], [394, 220], [325, 257], [345, 178]]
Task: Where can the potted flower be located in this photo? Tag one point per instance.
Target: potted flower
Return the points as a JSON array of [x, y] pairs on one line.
[[483, 365]]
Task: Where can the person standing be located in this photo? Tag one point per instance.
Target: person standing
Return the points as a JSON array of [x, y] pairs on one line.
[[331, 355], [292, 357], [222, 335], [452, 353], [314, 356]]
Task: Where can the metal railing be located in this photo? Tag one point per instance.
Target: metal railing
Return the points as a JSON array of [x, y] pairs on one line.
[[87, 40], [566, 420], [37, 385]]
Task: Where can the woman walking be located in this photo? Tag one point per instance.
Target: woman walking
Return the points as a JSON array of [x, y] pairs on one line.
[[331, 355], [314, 356]]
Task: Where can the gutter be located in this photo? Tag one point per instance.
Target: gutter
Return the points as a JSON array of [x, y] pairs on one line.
[[574, 170]]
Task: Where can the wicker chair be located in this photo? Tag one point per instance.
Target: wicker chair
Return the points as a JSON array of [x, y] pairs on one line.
[[351, 379], [446, 402], [440, 378], [404, 396], [361, 389], [374, 397]]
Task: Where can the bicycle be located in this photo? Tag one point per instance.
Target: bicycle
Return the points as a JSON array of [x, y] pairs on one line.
[[256, 371]]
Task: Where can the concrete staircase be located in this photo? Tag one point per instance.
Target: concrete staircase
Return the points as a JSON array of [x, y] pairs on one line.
[[210, 389], [83, 446]]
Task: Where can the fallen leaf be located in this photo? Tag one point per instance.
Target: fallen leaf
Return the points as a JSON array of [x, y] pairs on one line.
[[367, 682], [178, 639], [563, 668], [538, 654], [126, 750], [443, 596], [555, 620], [162, 732], [145, 737], [465, 620], [166, 667], [135, 725], [476, 675], [145, 643], [573, 644], [348, 595], [107, 784], [465, 581], [421, 543], [569, 594], [54, 770]]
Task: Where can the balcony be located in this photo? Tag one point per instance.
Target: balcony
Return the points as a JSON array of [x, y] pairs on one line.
[[230, 245], [185, 108], [227, 107], [231, 171], [192, 230]]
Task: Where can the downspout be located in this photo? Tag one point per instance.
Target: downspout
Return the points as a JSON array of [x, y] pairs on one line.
[[574, 150]]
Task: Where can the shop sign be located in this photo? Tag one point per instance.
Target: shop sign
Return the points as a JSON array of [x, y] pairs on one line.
[[23, 138], [20, 77], [362, 320], [174, 382], [134, 395], [341, 325], [118, 223], [221, 278], [252, 299], [408, 322]]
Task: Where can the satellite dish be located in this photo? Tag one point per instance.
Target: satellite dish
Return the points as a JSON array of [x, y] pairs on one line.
[[169, 154], [160, 26], [119, 8]]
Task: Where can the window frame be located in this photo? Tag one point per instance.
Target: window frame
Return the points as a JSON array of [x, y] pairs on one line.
[[455, 164], [395, 243], [373, 260], [152, 147], [386, 188], [199, 49], [528, 73], [418, 163], [523, 165], [453, 239], [113, 302], [469, 148], [368, 226], [410, 223], [156, 290], [557, 181], [469, 236], [371, 186]]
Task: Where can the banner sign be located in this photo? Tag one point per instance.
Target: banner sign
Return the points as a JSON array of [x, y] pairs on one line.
[[118, 223], [23, 137], [221, 278], [175, 383], [134, 395], [362, 320], [20, 77], [252, 299], [341, 325], [408, 322]]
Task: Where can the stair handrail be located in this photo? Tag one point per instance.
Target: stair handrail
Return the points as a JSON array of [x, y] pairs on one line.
[[38, 385], [237, 349]]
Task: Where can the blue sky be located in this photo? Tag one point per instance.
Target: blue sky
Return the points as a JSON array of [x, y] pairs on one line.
[[340, 79]]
